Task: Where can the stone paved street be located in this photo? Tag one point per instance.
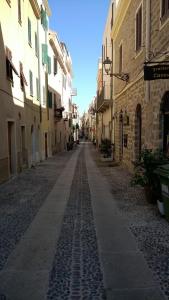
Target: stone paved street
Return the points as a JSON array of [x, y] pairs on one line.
[[72, 228]]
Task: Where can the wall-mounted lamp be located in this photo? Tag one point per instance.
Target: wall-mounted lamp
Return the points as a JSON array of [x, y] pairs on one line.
[[107, 66]]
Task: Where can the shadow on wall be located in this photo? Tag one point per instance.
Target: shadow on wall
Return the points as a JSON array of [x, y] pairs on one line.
[[19, 118], [7, 134]]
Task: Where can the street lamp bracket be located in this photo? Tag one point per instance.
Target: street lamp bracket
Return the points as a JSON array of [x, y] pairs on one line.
[[108, 66]]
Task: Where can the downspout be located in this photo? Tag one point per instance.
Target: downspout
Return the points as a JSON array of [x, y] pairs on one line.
[[148, 45]]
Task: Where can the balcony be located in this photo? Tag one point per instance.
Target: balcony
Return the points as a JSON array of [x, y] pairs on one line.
[[104, 99], [74, 92]]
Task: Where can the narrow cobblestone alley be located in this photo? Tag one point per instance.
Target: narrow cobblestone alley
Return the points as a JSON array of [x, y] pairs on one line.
[[63, 235]]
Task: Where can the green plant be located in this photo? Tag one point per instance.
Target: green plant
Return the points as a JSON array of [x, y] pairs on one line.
[[144, 170], [105, 147]]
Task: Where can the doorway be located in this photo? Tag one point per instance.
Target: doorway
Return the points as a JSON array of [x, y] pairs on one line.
[[165, 118], [46, 145], [11, 148], [121, 136], [23, 146], [138, 132]]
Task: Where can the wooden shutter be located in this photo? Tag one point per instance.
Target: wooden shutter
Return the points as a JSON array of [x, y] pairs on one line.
[[19, 11], [44, 54], [36, 44], [49, 99], [29, 32], [44, 20], [49, 65], [31, 82]]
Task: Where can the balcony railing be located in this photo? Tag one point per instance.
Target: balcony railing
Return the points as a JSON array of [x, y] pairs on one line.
[[104, 99]]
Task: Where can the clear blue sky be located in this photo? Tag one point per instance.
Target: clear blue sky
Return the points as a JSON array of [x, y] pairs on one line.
[[80, 24]]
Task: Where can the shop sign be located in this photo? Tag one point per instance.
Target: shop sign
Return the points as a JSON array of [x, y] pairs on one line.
[[156, 72]]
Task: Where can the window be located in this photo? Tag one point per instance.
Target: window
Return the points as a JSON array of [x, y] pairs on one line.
[[9, 65], [55, 105], [120, 58], [44, 54], [44, 95], [36, 44], [55, 66], [19, 12], [37, 89], [31, 82], [164, 9], [9, 73], [23, 81], [9, 2], [139, 28], [49, 99], [29, 32], [44, 20], [49, 65]]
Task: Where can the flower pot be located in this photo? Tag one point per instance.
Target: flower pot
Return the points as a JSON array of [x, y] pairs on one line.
[[160, 205]]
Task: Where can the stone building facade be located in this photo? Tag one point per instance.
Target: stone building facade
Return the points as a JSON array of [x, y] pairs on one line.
[[139, 34], [104, 94]]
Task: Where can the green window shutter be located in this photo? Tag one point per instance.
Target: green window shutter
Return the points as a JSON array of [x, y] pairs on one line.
[[29, 32], [44, 20], [44, 54], [36, 44], [31, 82], [49, 65], [49, 99]]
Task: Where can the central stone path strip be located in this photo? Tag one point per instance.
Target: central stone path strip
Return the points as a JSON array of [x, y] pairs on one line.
[[76, 272]]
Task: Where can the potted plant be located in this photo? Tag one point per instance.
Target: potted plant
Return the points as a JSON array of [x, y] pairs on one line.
[[145, 176], [105, 148]]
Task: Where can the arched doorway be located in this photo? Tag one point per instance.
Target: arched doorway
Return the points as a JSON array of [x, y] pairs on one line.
[[165, 120], [138, 132], [121, 135]]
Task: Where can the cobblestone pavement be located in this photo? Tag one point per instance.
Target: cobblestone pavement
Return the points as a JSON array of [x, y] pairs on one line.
[[150, 230], [76, 272], [21, 199]]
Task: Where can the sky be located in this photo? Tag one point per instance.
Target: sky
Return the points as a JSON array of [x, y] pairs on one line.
[[80, 24]]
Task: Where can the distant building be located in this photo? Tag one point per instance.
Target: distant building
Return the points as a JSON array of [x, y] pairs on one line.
[[35, 87], [140, 110]]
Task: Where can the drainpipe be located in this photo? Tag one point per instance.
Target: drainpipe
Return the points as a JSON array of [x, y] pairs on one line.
[[148, 45]]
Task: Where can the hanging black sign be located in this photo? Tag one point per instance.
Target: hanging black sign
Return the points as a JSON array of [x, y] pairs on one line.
[[156, 72]]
